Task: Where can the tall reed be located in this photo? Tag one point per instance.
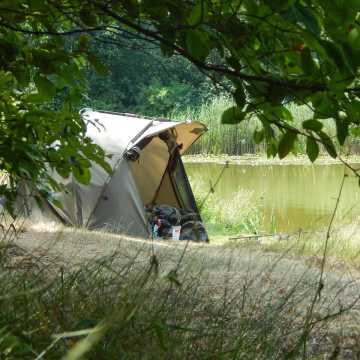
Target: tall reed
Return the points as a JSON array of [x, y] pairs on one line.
[[238, 139]]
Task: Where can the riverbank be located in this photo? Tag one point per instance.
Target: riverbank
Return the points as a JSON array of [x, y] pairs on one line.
[[260, 160]]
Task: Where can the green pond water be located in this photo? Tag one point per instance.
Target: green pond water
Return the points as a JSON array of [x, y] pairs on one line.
[[288, 197]]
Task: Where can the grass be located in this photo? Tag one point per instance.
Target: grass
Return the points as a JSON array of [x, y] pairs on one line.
[[225, 217], [240, 216], [130, 299], [344, 244]]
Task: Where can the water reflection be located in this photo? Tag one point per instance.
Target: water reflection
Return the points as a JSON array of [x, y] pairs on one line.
[[296, 196]]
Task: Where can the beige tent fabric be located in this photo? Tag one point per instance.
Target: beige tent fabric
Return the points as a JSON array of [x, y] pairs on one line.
[[166, 193], [120, 207], [186, 133], [114, 132], [117, 201], [149, 169]]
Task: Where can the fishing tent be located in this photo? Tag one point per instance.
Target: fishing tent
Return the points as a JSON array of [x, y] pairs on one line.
[[147, 169]]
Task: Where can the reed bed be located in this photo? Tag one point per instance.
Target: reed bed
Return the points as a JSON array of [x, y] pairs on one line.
[[238, 139]]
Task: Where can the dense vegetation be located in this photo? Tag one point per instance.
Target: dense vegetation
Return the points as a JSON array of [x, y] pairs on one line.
[[261, 59], [264, 54], [143, 81]]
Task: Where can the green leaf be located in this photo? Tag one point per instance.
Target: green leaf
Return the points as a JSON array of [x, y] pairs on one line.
[[283, 113], [307, 62], [232, 115], [198, 13], [259, 136], [328, 144], [22, 75], [336, 54], [312, 149], [46, 88], [354, 38], [105, 165], [313, 125], [304, 16], [240, 97], [197, 44], [82, 174], [88, 17], [286, 143], [325, 106], [342, 130], [56, 203], [99, 67]]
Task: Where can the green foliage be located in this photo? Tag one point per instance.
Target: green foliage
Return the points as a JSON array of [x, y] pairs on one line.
[[232, 115], [143, 81], [272, 53], [312, 149], [37, 69], [286, 143], [267, 54]]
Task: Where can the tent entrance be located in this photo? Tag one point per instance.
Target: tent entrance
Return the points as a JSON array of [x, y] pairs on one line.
[[175, 188]]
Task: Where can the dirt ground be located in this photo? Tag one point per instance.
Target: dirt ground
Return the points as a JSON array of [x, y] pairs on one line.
[[225, 259]]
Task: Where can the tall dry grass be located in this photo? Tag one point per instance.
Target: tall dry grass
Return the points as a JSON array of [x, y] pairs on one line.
[[76, 294]]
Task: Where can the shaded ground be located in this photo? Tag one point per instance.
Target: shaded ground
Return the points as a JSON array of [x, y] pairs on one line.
[[230, 267]]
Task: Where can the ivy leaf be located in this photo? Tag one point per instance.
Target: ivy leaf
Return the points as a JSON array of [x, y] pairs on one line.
[[286, 143], [313, 125], [232, 115], [312, 149], [197, 44]]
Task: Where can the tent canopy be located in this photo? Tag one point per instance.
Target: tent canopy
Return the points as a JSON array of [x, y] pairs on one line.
[[157, 175]]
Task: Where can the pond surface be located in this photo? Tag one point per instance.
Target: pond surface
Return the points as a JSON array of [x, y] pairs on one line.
[[289, 196]]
